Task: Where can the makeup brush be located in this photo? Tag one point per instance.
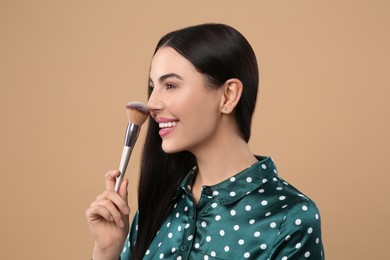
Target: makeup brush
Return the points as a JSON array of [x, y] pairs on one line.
[[137, 113]]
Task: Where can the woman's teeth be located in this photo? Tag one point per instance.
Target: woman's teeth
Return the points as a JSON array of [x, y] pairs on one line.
[[166, 124]]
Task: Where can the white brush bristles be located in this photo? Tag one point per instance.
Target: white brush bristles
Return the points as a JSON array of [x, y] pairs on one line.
[[137, 113]]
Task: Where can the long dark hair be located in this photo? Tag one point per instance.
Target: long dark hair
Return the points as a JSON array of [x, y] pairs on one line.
[[220, 53]]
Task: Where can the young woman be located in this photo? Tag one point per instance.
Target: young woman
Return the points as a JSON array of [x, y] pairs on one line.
[[202, 192]]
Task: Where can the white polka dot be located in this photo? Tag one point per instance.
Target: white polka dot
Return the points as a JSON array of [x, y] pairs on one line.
[[236, 227], [206, 257], [217, 217], [310, 230], [232, 194], [179, 228], [279, 188], [248, 207], [159, 244], [257, 234], [222, 232], [226, 248], [170, 235], [307, 254], [264, 166], [147, 252], [187, 225], [208, 238], [177, 214], [214, 205], [274, 179], [304, 208], [282, 197], [232, 179], [284, 258], [285, 183], [249, 179], [213, 254], [197, 245], [247, 255], [215, 193], [185, 208], [178, 258], [168, 224], [272, 225], [233, 212], [264, 180], [173, 250], [252, 221], [261, 191], [241, 242], [287, 237], [298, 222], [161, 256], [190, 237], [264, 202], [263, 246], [317, 216], [298, 245], [175, 205], [284, 206], [267, 214], [204, 224], [317, 240]]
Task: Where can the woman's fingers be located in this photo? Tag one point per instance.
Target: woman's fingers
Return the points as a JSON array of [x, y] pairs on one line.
[[116, 199], [123, 190], [107, 210], [111, 206], [111, 179], [96, 211]]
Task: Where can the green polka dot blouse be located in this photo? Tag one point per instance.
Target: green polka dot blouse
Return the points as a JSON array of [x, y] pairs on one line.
[[252, 215]]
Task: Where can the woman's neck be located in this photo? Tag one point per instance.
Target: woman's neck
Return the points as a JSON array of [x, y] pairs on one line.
[[219, 162]]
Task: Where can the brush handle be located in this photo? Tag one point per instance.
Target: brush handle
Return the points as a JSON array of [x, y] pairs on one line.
[[132, 132], [126, 152]]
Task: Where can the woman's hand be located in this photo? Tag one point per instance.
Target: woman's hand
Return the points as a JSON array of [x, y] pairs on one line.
[[108, 219]]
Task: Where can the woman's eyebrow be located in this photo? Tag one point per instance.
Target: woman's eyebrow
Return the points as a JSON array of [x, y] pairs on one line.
[[170, 75], [166, 76]]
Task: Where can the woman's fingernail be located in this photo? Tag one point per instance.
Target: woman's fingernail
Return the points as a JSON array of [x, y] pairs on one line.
[[126, 210]]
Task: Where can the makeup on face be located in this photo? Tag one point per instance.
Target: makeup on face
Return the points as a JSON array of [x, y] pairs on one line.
[[181, 103]]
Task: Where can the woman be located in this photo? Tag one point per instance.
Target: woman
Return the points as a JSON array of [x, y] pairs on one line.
[[202, 192]]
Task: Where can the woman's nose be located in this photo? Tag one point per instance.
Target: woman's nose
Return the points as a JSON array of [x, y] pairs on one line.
[[155, 103]]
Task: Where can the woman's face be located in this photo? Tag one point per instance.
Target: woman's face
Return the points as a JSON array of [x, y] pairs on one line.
[[187, 110]]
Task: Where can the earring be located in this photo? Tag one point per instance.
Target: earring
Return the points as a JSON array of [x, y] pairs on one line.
[[225, 109]]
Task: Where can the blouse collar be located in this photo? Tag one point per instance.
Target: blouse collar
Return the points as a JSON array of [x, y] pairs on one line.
[[237, 186]]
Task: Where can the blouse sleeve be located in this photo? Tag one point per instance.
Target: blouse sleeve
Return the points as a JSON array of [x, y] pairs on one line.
[[130, 240], [300, 233]]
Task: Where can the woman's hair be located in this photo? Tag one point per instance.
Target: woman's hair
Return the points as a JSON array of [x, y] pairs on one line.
[[220, 53]]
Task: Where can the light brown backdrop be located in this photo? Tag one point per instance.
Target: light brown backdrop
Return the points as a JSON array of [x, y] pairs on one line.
[[67, 68]]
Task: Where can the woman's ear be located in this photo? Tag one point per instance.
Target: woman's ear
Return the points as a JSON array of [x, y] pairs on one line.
[[232, 90]]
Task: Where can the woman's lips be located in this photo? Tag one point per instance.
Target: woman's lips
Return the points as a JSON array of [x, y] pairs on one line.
[[166, 131], [166, 126]]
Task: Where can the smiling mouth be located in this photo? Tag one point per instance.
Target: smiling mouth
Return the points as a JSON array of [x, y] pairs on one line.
[[166, 125]]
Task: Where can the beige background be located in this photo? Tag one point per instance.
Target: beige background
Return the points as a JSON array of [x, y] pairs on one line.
[[67, 68]]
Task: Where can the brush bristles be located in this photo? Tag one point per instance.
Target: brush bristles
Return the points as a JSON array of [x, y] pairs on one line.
[[137, 113]]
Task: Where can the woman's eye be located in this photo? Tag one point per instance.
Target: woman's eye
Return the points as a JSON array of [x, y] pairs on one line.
[[169, 86]]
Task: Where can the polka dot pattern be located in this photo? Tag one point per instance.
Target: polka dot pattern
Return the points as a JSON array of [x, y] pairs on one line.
[[252, 212]]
